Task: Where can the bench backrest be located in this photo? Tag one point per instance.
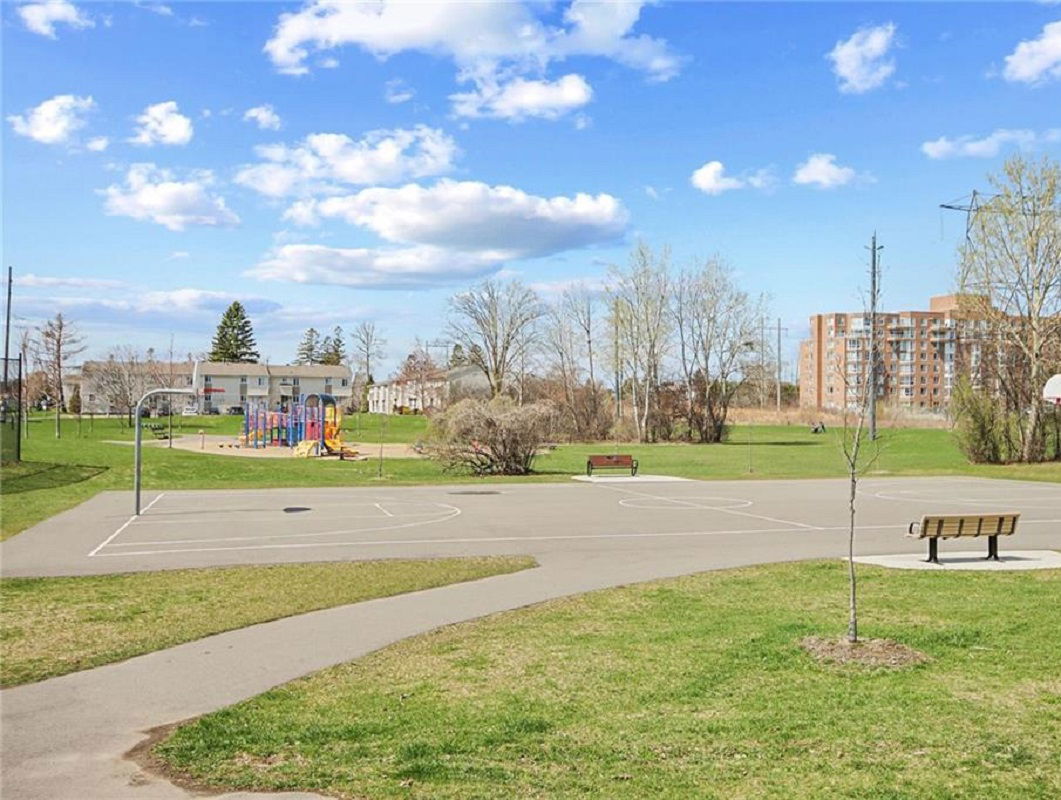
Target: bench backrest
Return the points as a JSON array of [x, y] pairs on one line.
[[611, 461], [949, 526]]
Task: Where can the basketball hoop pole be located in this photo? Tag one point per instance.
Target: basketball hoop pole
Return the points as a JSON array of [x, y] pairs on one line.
[[137, 440]]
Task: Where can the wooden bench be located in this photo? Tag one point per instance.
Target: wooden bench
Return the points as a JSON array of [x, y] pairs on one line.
[[953, 526], [611, 462]]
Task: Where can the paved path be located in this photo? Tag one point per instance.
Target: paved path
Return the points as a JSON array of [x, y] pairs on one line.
[[65, 737]]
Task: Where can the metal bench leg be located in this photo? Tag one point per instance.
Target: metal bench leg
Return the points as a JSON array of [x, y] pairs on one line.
[[933, 551], [992, 548]]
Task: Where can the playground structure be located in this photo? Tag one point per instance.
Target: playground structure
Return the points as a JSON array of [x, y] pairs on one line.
[[312, 425]]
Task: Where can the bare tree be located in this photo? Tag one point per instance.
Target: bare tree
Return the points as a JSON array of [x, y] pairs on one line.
[[368, 349], [717, 326], [421, 371], [1010, 276], [639, 305], [496, 325], [123, 378], [59, 342], [368, 346]]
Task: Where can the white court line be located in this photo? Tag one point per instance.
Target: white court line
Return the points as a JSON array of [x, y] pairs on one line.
[[449, 513], [125, 525], [712, 508], [499, 539], [1032, 502], [196, 517], [381, 508]]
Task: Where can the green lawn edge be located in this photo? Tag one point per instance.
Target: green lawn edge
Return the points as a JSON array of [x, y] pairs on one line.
[[55, 626], [685, 687]]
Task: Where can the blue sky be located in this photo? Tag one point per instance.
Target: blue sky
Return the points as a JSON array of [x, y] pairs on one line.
[[399, 152]]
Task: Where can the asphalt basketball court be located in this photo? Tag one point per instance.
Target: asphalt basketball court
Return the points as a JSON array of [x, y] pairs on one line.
[[611, 517]]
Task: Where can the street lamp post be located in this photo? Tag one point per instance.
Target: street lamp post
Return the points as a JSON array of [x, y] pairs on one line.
[[136, 446]]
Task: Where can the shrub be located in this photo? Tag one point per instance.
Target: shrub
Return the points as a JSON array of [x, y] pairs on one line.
[[495, 437], [981, 426]]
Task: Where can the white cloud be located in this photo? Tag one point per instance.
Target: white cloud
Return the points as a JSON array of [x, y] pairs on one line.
[[322, 161], [473, 216], [448, 232], [1036, 60], [155, 8], [54, 121], [98, 144], [178, 255], [989, 146], [397, 91], [374, 267], [710, 179], [162, 123], [72, 282], [43, 17], [860, 62], [521, 98], [821, 170], [152, 194], [264, 115], [493, 42], [171, 302], [652, 192]]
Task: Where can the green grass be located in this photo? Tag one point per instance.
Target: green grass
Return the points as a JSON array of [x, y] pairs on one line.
[[59, 474], [52, 626], [691, 687]]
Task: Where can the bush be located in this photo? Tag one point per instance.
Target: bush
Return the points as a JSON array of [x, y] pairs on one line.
[[982, 427], [496, 437]]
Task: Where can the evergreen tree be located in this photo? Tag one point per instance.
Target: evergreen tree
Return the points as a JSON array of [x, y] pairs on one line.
[[333, 348], [234, 340], [308, 348], [324, 351], [457, 357]]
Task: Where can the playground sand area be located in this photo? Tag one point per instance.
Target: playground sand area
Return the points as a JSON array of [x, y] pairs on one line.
[[230, 446]]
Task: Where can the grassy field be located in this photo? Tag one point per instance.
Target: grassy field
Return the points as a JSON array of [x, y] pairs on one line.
[[51, 626], [59, 474], [692, 687]]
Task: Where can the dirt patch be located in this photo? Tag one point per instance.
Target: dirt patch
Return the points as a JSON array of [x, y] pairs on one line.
[[865, 652]]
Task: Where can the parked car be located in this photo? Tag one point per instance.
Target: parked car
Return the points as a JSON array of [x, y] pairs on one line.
[[235, 410]]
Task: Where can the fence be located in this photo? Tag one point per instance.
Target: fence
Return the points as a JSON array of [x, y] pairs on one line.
[[11, 410]]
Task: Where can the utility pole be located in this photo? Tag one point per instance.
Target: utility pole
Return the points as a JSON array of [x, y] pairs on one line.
[[779, 365], [874, 292], [762, 362], [7, 325]]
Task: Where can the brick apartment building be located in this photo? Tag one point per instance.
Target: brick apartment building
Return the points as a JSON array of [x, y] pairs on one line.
[[921, 354]]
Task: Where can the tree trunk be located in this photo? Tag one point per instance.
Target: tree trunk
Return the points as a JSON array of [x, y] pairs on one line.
[[852, 609]]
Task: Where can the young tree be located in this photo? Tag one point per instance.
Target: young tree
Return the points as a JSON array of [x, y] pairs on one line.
[[59, 342], [1010, 276], [496, 324], [308, 348], [234, 340]]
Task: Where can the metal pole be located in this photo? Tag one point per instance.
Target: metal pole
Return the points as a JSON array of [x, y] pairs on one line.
[[779, 365], [137, 440], [762, 363], [7, 326], [136, 457]]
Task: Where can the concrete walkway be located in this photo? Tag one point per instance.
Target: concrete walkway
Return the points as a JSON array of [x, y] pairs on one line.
[[67, 737]]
